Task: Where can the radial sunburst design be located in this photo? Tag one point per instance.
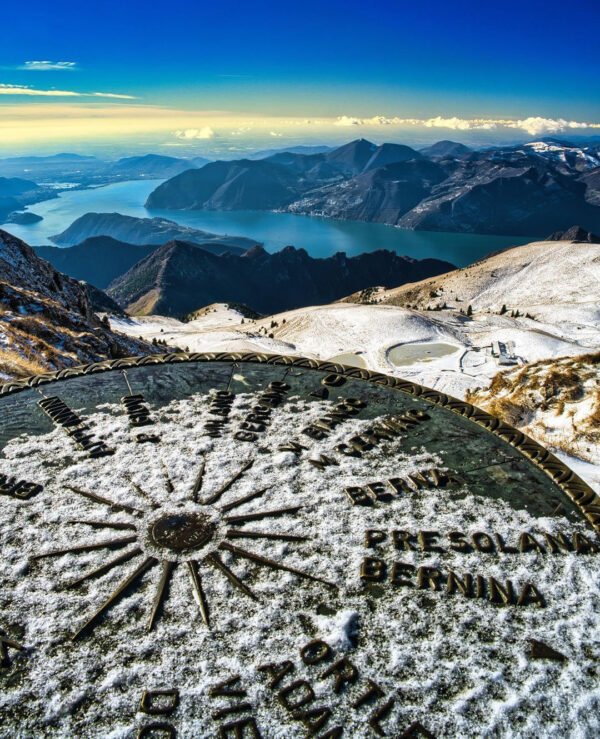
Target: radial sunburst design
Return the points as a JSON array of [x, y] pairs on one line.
[[193, 537]]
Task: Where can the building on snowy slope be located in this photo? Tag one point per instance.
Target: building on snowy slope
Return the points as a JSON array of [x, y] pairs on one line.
[[47, 321]]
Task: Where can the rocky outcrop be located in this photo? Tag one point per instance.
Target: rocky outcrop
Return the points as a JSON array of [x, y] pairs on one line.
[[575, 233], [47, 320]]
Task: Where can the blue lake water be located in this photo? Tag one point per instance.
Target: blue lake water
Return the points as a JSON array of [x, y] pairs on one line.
[[321, 237]]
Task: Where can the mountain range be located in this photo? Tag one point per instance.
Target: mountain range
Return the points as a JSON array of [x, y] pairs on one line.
[[179, 277], [97, 260], [85, 171], [529, 189]]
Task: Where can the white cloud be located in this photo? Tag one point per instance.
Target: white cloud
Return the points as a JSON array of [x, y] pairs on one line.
[[7, 89], [241, 130], [459, 124], [534, 125], [376, 120], [205, 132], [345, 120], [274, 133], [116, 95], [48, 66]]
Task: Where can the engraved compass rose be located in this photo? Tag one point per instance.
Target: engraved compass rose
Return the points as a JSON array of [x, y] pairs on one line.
[[267, 546], [194, 536]]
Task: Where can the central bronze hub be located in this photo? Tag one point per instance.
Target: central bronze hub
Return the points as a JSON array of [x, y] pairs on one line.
[[180, 531]]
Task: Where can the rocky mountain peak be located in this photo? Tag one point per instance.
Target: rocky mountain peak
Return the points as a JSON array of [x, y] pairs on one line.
[[575, 233]]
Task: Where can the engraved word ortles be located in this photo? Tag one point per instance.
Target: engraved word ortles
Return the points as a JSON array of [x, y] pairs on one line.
[[300, 700]]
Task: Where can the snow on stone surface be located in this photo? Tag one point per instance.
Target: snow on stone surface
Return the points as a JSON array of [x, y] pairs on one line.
[[459, 666]]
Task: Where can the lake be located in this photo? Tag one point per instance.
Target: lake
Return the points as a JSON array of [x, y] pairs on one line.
[[321, 237]]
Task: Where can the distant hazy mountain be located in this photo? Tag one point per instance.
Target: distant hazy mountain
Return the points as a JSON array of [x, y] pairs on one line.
[[384, 194], [16, 192], [246, 184], [133, 230], [290, 150], [529, 189], [352, 158], [65, 157], [390, 154], [273, 182], [199, 161], [97, 260], [14, 186], [89, 171], [178, 277], [152, 166], [25, 218], [56, 168], [445, 149]]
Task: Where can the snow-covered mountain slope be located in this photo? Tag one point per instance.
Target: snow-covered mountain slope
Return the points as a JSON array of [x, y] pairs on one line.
[[554, 287], [575, 157], [46, 318], [555, 281]]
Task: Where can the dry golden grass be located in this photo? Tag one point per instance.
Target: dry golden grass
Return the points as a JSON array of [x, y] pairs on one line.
[[14, 364], [564, 387]]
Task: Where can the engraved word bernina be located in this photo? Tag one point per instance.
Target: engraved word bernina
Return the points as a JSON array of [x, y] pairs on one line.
[[403, 574], [388, 490]]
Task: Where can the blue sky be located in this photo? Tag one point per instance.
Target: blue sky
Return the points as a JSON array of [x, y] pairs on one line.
[[231, 64]]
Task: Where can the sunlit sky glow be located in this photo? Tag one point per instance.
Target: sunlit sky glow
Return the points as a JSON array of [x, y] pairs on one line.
[[192, 77]]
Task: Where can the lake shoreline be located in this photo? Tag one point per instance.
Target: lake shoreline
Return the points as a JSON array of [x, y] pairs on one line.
[[318, 235]]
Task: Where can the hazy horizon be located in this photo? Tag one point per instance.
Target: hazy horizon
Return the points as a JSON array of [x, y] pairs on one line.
[[213, 81]]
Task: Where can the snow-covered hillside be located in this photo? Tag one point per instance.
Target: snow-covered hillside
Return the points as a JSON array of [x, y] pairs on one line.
[[528, 304], [573, 156]]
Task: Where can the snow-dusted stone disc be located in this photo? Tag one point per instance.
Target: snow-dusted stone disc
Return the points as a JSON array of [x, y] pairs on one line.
[[252, 546]]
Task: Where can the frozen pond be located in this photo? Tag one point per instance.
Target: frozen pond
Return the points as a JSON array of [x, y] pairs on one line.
[[352, 360], [404, 355]]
